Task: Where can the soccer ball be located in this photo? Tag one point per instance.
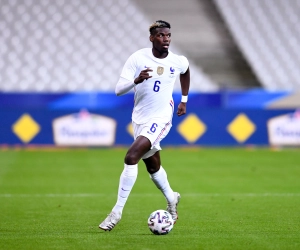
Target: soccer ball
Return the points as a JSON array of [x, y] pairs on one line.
[[160, 222]]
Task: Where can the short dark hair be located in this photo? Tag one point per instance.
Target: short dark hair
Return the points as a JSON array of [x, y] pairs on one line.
[[158, 24]]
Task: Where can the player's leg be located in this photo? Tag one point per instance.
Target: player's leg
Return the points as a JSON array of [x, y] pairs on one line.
[[127, 179], [152, 157], [159, 176], [130, 171]]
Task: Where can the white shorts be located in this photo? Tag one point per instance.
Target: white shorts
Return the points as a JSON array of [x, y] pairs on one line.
[[155, 131]]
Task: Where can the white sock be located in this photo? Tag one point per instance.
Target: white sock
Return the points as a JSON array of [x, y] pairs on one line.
[[160, 179], [127, 180]]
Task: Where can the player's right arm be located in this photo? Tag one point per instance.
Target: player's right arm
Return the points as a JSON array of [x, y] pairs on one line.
[[124, 85], [144, 75]]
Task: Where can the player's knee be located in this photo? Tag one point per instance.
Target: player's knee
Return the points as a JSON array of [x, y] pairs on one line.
[[131, 159], [152, 169]]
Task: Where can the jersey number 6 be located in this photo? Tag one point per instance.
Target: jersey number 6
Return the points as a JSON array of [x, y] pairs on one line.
[[156, 86], [153, 127]]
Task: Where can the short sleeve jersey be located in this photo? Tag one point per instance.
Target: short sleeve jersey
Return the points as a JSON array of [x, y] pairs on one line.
[[153, 97]]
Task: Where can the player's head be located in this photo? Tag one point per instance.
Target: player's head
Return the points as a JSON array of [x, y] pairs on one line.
[[158, 24], [160, 36]]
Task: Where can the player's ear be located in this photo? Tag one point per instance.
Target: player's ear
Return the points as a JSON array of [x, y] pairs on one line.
[[151, 38]]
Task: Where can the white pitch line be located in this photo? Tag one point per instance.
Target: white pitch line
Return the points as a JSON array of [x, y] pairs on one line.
[[246, 194], [49, 195], [183, 194]]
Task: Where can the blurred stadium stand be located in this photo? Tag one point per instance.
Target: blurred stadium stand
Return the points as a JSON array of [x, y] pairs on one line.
[[79, 45], [268, 33], [199, 31]]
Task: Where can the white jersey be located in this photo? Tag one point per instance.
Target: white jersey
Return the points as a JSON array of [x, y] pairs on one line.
[[153, 97]]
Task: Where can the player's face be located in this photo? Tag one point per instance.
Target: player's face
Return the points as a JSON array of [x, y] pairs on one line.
[[161, 39]]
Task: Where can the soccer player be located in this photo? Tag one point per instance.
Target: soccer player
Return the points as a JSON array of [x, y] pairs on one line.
[[152, 73]]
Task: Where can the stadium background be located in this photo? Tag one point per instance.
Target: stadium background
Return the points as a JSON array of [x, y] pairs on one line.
[[60, 61]]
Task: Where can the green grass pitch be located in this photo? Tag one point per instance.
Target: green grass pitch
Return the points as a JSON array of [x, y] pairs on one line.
[[232, 198]]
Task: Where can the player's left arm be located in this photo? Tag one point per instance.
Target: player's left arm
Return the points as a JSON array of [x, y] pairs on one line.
[[185, 86]]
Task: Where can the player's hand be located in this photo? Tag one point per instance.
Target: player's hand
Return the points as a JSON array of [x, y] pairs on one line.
[[144, 75], [181, 109]]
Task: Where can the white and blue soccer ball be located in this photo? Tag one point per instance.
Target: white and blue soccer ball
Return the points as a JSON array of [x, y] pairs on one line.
[[160, 222]]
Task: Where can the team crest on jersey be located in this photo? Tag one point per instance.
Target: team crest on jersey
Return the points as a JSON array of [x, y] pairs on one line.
[[160, 70]]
